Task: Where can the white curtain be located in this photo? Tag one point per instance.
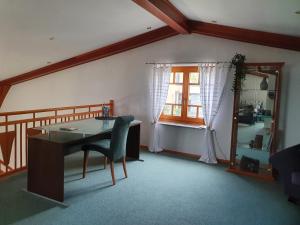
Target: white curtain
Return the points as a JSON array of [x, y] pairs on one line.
[[212, 82], [159, 93]]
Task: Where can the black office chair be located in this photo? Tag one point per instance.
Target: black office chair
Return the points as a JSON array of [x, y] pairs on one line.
[[114, 149]]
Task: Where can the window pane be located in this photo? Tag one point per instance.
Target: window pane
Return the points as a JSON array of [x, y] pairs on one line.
[[194, 95], [175, 94], [167, 110], [177, 110], [194, 78], [171, 78], [200, 112], [192, 112], [179, 77]]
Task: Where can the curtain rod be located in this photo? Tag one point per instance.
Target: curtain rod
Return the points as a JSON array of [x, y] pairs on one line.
[[154, 63]]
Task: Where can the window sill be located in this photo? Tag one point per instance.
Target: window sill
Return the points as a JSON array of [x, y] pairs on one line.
[[182, 125]]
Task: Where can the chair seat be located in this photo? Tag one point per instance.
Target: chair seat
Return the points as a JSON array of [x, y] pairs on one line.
[[102, 146]]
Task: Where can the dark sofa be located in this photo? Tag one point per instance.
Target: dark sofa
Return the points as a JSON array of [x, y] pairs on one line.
[[286, 164], [246, 114]]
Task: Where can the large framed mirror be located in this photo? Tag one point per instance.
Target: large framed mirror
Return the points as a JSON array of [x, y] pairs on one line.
[[255, 120]]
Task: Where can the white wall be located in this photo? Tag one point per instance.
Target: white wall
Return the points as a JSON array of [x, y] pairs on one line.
[[251, 94], [124, 78]]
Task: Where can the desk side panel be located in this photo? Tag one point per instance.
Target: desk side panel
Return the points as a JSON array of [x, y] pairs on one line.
[[133, 142], [46, 169]]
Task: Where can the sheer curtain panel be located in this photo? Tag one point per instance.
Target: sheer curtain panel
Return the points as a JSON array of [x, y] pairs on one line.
[[158, 93], [212, 82]]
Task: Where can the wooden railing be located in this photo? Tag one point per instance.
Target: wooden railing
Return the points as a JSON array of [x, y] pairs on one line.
[[15, 127]]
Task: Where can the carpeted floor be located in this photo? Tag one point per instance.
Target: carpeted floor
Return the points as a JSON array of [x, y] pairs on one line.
[[246, 133], [262, 156], [162, 190]]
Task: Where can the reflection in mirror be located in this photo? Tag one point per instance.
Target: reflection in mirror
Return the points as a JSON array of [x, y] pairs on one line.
[[255, 120]]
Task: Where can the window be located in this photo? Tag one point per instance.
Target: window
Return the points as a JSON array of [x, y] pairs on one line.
[[183, 101]]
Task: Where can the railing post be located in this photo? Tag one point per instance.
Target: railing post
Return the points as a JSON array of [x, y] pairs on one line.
[[55, 114], [16, 156], [6, 129], [111, 107], [33, 116]]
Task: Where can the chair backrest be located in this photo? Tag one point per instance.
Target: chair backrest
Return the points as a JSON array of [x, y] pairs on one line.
[[119, 136]]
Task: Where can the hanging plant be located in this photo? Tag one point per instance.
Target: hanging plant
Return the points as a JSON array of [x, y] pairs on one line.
[[240, 72]]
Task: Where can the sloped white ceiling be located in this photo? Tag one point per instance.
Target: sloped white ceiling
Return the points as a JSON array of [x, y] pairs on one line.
[[78, 26], [276, 16], [26, 27]]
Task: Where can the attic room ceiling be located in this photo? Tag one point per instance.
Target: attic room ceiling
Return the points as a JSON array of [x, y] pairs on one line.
[[75, 27], [277, 16], [37, 33]]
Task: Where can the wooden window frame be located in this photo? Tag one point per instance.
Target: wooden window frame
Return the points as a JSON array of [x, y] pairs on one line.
[[183, 119]]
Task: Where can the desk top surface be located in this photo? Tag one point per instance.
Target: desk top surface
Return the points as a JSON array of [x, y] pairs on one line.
[[77, 130]]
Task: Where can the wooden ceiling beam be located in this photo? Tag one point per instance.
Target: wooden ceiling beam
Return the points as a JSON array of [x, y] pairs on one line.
[[246, 35], [3, 92], [169, 14], [122, 46], [166, 12], [125, 45]]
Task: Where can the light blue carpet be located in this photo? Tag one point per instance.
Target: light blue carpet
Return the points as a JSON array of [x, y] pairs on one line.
[[162, 190], [261, 155], [246, 133]]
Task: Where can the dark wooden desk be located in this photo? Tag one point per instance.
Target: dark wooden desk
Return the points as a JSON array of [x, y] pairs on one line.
[[46, 152]]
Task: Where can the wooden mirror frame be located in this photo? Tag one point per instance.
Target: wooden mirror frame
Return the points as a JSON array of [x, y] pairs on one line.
[[275, 117]]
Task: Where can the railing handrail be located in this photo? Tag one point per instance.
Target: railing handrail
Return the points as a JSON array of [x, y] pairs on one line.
[[12, 113], [16, 127], [46, 118]]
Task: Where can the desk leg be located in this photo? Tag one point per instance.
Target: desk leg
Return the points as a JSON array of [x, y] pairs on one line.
[[133, 142], [46, 169]]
